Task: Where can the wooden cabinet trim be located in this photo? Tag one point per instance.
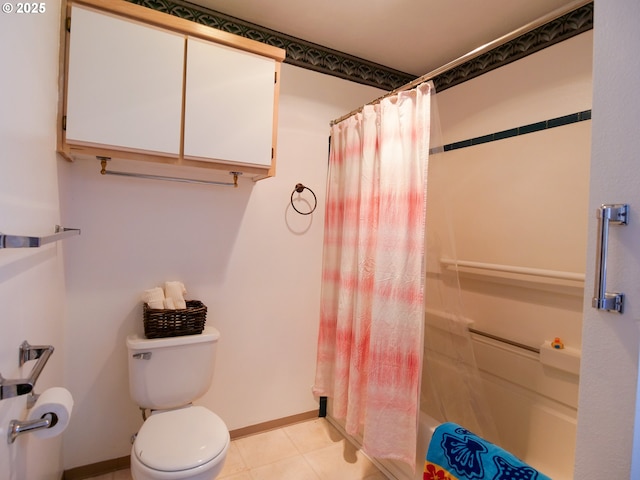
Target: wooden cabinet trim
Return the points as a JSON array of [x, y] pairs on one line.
[[180, 25]]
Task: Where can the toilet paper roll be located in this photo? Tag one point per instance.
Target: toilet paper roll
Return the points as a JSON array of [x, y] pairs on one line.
[[59, 402]]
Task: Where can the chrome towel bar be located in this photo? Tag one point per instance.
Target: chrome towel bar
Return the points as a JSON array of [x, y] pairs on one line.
[[22, 241], [104, 171]]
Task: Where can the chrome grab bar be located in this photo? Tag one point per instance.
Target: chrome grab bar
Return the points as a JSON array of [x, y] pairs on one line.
[[533, 272], [22, 386], [504, 340], [22, 241], [613, 214]]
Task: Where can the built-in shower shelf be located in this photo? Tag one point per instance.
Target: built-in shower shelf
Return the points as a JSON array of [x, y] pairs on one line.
[[23, 241], [566, 359], [570, 282]]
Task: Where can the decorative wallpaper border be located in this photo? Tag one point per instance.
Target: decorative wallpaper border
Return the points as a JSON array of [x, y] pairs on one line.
[[332, 62], [569, 25]]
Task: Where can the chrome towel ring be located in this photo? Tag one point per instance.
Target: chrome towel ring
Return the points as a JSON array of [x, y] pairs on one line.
[[299, 188]]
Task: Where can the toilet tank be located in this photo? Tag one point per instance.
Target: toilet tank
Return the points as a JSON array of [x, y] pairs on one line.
[[170, 372]]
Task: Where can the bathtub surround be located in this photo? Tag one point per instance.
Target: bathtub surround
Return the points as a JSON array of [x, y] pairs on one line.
[[493, 195]]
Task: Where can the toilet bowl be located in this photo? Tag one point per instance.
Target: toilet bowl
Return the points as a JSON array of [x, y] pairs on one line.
[[187, 443], [178, 441]]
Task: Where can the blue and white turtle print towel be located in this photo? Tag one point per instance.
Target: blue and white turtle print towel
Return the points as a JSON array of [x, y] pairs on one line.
[[457, 454]]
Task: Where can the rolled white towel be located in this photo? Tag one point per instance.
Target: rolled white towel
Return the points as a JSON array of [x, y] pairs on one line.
[[154, 297], [176, 291], [168, 304]]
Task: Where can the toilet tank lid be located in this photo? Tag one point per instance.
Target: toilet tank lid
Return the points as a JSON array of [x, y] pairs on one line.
[[209, 334], [181, 439]]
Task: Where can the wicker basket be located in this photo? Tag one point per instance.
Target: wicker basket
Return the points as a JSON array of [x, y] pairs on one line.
[[160, 323]]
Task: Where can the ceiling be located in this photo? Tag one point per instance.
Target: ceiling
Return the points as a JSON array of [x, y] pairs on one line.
[[412, 36]]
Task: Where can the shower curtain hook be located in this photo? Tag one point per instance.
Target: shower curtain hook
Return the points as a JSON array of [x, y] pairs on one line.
[[300, 188]]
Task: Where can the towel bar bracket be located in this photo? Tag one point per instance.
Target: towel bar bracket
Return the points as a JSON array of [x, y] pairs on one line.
[[23, 386]]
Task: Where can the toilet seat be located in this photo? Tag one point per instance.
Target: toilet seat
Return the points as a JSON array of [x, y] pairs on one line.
[[181, 439]]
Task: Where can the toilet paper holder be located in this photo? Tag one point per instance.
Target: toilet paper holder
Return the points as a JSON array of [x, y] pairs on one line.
[[18, 427], [22, 386], [10, 388]]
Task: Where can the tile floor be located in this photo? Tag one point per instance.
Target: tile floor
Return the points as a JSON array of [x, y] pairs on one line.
[[310, 450]]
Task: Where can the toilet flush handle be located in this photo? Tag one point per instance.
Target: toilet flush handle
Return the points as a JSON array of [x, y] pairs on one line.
[[142, 355]]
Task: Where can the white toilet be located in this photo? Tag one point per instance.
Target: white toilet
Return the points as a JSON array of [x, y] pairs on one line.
[[178, 440]]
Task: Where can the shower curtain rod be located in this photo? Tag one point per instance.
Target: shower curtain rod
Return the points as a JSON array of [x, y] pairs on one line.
[[473, 54]]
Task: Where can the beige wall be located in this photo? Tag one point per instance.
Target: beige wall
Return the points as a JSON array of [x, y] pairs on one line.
[[244, 252], [518, 202]]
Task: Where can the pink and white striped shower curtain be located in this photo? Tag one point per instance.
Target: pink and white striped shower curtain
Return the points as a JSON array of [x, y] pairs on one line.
[[372, 302]]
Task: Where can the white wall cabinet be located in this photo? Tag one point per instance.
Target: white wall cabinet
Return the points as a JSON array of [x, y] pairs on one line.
[[144, 85], [124, 85], [229, 97]]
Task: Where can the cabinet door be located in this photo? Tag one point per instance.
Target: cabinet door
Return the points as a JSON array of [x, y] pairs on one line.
[[229, 101], [124, 84]]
